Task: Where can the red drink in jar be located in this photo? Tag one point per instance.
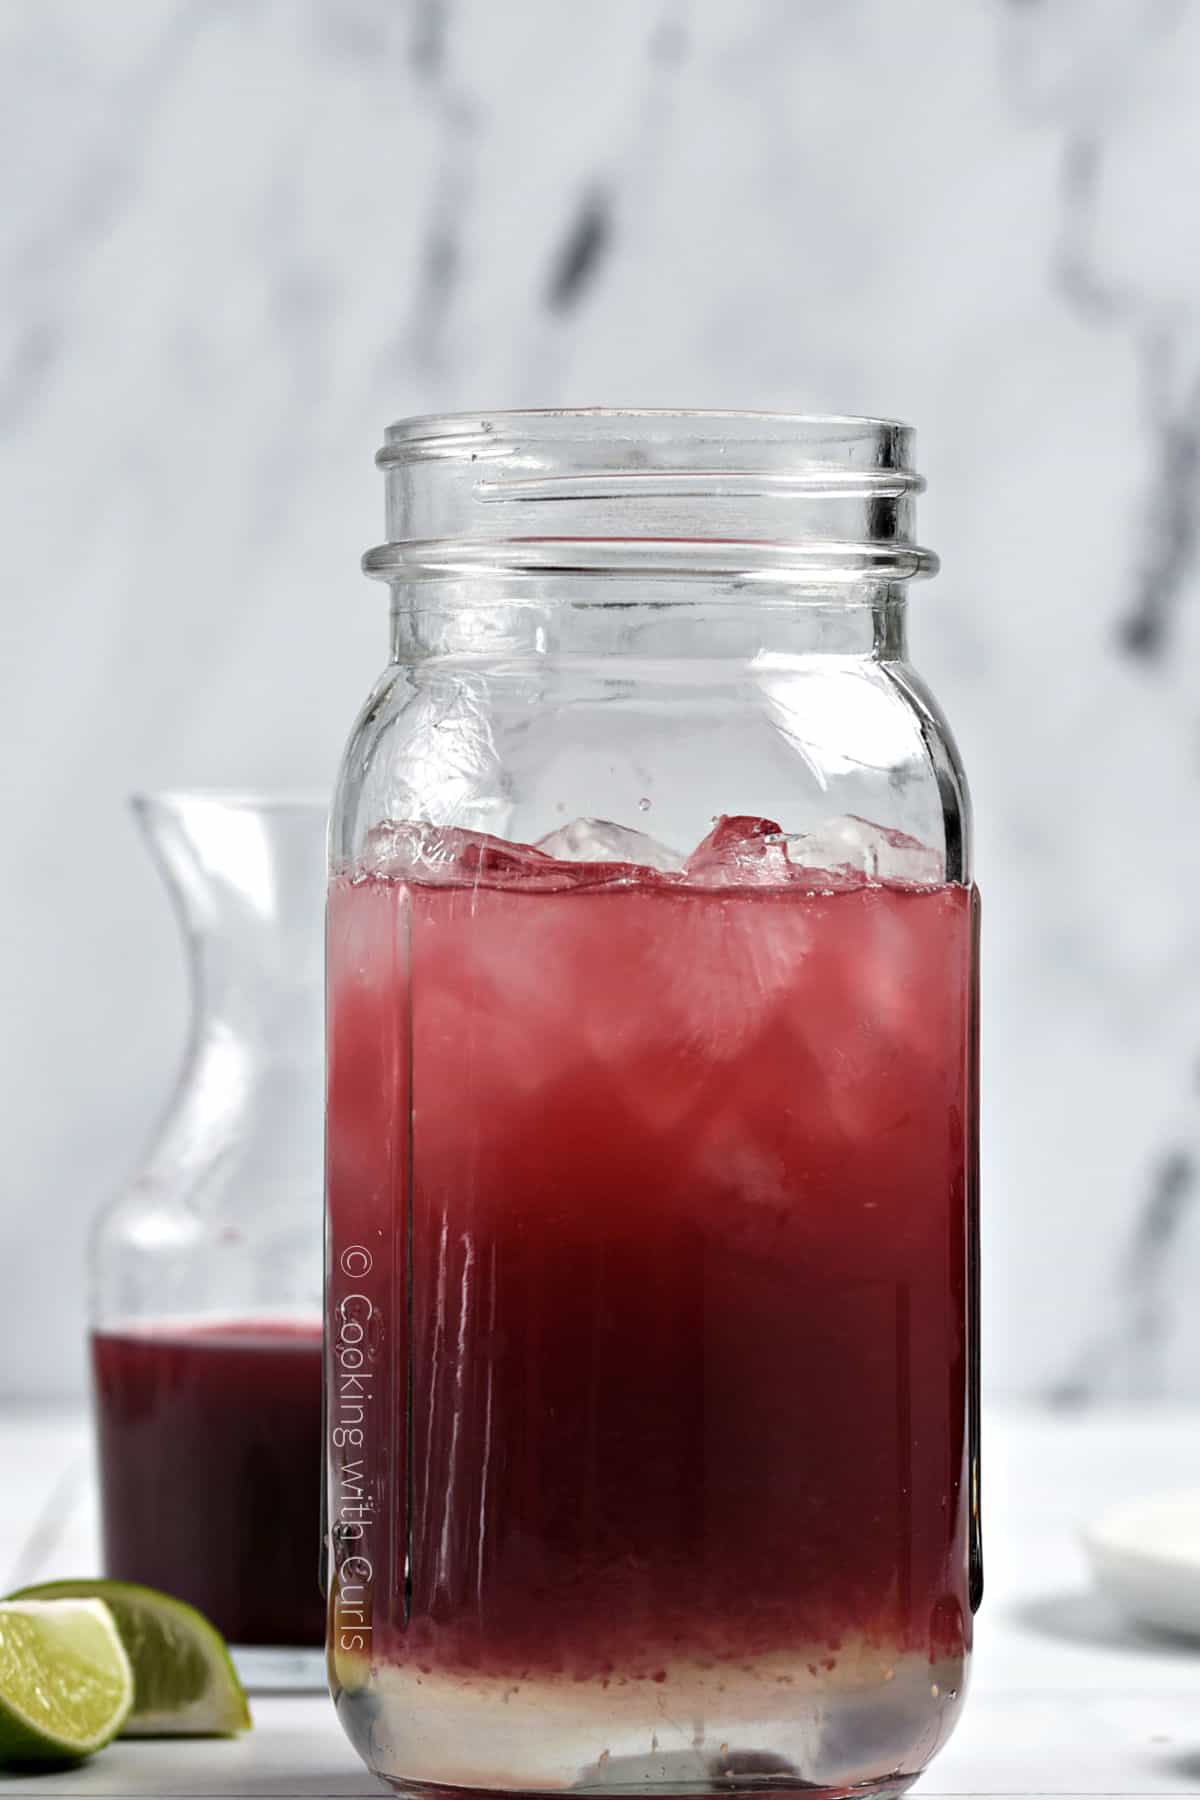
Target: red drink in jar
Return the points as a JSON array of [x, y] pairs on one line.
[[648, 1198]]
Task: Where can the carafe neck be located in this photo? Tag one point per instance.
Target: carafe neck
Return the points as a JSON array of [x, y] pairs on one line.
[[246, 875]]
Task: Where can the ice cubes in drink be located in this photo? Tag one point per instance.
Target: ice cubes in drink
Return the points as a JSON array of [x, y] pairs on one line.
[[846, 851], [740, 850], [585, 853], [854, 846], [600, 841], [415, 850]]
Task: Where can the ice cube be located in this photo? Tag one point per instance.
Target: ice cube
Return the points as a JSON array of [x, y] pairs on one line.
[[600, 841], [740, 849], [854, 846], [415, 850], [400, 847]]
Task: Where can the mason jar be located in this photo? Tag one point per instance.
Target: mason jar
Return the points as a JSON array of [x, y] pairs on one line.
[[652, 1262]]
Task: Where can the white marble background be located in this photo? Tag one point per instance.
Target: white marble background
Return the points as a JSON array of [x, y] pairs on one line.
[[237, 236]]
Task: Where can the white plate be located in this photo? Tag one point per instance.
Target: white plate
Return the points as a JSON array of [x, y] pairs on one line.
[[1145, 1555]]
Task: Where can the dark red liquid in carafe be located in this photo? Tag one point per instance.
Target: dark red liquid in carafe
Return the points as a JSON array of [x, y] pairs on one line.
[[210, 1468]]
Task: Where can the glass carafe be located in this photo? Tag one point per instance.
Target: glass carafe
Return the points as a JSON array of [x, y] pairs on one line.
[[206, 1274], [651, 1331]]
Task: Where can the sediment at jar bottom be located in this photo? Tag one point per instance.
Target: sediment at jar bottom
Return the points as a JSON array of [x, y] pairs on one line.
[[787, 1720]]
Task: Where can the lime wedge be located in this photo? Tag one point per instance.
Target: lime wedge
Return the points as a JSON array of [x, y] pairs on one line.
[[66, 1686], [184, 1683]]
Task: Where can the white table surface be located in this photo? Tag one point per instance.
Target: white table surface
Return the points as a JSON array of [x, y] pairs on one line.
[[1065, 1698]]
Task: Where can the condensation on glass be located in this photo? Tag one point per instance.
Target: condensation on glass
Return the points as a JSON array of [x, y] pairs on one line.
[[652, 1255]]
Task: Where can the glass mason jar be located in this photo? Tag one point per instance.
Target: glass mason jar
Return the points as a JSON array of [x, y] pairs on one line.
[[651, 1333], [206, 1274]]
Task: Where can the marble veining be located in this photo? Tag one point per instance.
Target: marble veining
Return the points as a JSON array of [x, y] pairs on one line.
[[236, 240], [1166, 339], [1104, 114]]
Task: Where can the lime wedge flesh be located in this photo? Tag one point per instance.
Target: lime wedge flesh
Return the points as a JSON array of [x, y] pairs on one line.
[[66, 1686], [184, 1682]]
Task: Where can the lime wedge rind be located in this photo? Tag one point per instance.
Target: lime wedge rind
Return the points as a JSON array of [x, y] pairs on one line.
[[185, 1684]]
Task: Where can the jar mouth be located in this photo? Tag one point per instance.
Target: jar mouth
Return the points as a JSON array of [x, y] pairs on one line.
[[580, 489], [886, 443]]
